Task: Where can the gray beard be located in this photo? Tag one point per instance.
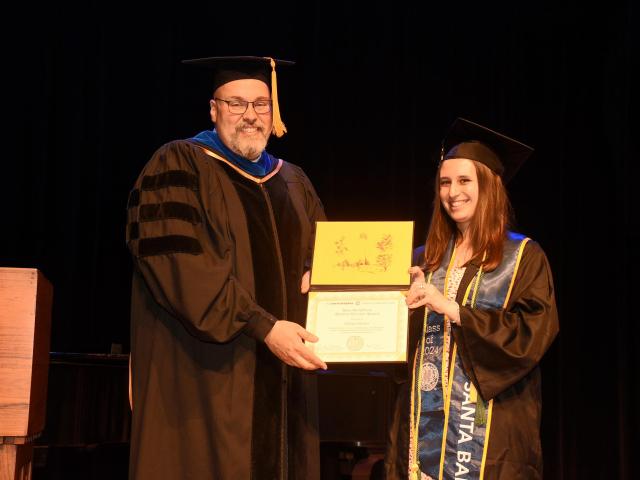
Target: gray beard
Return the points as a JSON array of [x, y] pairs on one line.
[[249, 151]]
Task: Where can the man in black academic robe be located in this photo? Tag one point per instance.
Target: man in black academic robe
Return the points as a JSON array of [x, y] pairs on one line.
[[221, 233]]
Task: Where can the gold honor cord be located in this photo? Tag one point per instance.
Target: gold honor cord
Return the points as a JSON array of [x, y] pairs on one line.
[[447, 330], [242, 172], [490, 408], [447, 370], [415, 418], [451, 372]]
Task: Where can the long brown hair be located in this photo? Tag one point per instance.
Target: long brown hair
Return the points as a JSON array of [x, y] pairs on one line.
[[487, 229]]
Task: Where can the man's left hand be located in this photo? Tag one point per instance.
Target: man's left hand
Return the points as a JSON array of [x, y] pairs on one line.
[[286, 341]]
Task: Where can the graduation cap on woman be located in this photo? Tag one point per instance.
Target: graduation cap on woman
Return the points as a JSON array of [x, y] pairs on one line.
[[503, 155], [228, 69]]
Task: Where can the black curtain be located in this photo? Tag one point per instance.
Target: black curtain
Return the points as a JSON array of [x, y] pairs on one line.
[[92, 90]]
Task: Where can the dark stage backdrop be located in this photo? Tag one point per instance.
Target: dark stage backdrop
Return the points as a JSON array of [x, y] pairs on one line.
[[95, 89]]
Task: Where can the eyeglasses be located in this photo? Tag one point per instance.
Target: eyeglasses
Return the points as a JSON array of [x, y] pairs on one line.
[[238, 107]]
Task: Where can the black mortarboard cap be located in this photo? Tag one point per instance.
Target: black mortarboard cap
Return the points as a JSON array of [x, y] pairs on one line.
[[503, 155], [228, 69]]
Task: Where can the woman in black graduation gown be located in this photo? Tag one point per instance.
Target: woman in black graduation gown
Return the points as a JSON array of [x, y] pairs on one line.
[[483, 304]]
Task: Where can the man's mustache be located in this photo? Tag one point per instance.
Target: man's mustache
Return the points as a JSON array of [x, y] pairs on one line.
[[260, 127]]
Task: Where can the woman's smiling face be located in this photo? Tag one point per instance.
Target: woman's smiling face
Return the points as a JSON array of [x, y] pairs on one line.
[[459, 190]]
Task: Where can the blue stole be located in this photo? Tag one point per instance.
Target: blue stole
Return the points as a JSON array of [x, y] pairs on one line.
[[450, 422], [259, 168]]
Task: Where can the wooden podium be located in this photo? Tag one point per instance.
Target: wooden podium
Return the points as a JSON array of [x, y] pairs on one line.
[[25, 328]]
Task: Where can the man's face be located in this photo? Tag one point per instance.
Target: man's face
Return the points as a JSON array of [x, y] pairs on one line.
[[244, 133]]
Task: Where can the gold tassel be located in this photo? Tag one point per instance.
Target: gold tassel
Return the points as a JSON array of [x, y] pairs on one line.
[[278, 126]]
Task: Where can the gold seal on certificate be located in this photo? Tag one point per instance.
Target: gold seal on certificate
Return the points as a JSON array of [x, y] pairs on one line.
[[356, 304]]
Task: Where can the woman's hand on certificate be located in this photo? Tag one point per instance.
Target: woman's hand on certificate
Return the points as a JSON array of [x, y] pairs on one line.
[[420, 293], [416, 296]]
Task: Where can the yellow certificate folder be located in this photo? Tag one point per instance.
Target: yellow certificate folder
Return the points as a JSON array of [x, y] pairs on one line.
[[371, 255], [356, 303]]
